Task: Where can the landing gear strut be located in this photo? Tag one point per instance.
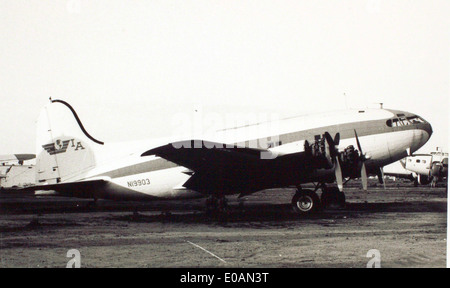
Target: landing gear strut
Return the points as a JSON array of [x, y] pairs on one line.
[[217, 204], [305, 202], [331, 197]]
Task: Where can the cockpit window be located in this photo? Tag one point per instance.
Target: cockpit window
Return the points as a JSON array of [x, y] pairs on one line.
[[404, 121], [397, 122], [416, 120]]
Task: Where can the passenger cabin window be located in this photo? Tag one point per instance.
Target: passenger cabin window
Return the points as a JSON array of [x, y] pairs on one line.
[[424, 161], [417, 161]]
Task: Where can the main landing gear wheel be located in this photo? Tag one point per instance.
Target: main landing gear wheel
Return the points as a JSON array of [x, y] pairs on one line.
[[305, 202], [332, 197]]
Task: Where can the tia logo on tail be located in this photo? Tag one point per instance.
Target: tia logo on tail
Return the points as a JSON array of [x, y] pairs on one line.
[[60, 146]]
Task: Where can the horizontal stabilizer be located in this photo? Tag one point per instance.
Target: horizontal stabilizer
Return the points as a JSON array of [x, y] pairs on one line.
[[81, 189], [16, 157]]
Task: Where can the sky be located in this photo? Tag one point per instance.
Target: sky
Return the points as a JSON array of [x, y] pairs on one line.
[[130, 67]]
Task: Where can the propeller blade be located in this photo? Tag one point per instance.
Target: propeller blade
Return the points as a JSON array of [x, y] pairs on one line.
[[408, 151], [337, 139], [359, 144], [307, 148], [329, 147], [364, 176], [338, 174], [382, 177], [328, 137], [333, 154]]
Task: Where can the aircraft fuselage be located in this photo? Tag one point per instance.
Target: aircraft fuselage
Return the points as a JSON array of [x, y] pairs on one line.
[[385, 136]]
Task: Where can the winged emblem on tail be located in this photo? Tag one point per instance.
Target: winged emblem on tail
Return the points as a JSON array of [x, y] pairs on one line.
[[57, 147]]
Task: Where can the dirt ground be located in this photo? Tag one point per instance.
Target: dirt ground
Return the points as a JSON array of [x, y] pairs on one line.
[[406, 224]]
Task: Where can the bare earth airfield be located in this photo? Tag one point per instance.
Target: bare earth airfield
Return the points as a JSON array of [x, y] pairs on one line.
[[407, 224]]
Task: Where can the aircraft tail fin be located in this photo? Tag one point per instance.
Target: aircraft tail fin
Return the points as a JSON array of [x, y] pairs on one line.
[[64, 149]]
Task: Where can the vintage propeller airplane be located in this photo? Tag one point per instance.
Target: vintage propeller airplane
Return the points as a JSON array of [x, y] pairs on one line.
[[13, 172], [422, 169], [322, 149]]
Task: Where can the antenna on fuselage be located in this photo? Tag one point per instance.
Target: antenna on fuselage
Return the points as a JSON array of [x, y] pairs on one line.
[[379, 104]]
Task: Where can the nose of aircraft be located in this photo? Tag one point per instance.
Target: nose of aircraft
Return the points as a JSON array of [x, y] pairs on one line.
[[425, 133], [428, 129]]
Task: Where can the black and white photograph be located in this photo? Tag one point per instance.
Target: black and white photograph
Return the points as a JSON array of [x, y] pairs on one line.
[[200, 136]]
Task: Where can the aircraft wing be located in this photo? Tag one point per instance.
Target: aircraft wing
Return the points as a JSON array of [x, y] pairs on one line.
[[221, 168], [201, 155]]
